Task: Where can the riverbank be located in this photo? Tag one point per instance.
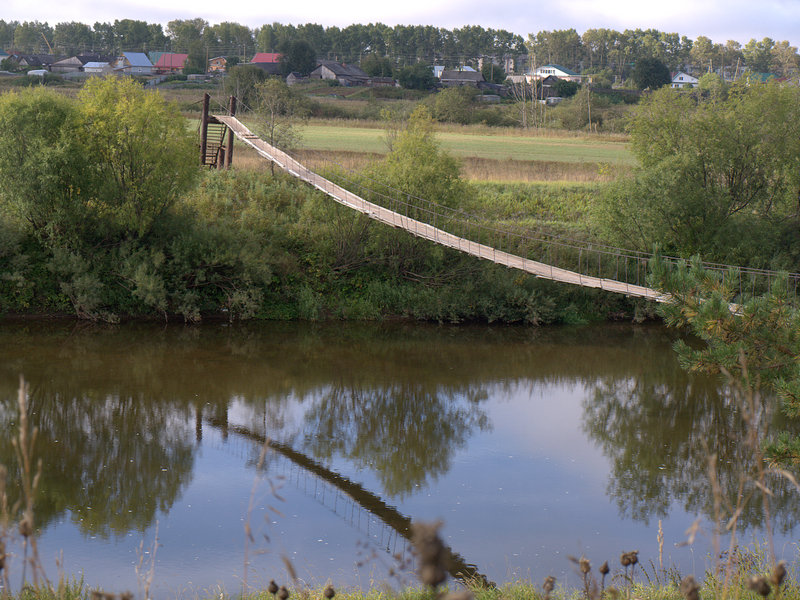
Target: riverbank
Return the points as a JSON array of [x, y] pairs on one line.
[[245, 244]]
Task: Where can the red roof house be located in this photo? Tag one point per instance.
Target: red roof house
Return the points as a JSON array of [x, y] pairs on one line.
[[266, 57], [169, 62]]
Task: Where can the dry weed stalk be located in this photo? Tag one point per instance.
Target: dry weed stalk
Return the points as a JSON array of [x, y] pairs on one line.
[[23, 446], [146, 568]]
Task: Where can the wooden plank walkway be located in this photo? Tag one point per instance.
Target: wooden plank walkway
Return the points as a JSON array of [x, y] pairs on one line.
[[429, 232]]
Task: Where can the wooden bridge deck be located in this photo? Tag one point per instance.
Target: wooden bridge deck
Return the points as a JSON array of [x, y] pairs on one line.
[[426, 231]]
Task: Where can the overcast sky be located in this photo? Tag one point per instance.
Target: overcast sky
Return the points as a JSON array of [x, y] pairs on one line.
[[720, 20]]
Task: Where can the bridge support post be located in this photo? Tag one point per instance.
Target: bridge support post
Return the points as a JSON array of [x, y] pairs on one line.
[[204, 128], [229, 151]]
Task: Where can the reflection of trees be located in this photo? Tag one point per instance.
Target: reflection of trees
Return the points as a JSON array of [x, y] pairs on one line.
[[112, 461], [658, 429], [406, 432]]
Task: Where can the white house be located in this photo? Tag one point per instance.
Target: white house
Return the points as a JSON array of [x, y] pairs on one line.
[[97, 68], [556, 71], [682, 80]]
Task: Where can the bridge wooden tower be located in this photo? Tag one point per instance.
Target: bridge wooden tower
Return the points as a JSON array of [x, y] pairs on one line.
[[215, 150]]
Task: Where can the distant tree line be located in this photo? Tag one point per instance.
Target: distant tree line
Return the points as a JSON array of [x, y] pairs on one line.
[[594, 51]]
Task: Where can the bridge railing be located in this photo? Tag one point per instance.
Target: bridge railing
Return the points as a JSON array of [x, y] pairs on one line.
[[553, 248]]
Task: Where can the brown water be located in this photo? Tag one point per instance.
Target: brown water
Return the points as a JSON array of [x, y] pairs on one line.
[[530, 445]]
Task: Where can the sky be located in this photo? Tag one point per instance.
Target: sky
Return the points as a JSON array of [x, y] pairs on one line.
[[720, 20]]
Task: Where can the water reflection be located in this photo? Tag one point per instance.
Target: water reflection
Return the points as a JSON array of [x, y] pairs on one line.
[[124, 412], [659, 428]]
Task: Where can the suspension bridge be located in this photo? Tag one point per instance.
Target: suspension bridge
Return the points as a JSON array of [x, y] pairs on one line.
[[545, 255], [347, 499]]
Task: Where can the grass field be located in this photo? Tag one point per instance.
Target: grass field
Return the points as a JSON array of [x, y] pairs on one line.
[[501, 147]]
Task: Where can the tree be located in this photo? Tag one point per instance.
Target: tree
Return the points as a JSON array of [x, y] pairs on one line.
[[417, 165], [717, 176], [454, 104], [784, 59], [702, 53], [377, 66], [650, 73], [196, 59], [758, 55], [241, 82], [143, 157], [418, 76], [566, 89], [182, 32], [298, 56], [278, 111], [72, 38], [100, 170], [493, 73], [756, 347]]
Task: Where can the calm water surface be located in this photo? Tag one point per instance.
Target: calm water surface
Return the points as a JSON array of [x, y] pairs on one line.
[[328, 440]]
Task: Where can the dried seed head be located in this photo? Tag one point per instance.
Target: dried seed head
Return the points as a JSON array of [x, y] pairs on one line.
[[758, 583], [584, 565], [549, 584], [604, 570], [624, 559], [26, 525], [634, 556], [283, 593], [430, 552], [272, 588], [690, 588], [777, 577], [329, 592]]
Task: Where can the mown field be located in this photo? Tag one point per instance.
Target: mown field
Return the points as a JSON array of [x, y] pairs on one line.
[[485, 154]]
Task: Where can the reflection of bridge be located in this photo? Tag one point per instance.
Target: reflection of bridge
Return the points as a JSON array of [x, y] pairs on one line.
[[557, 258], [349, 500]]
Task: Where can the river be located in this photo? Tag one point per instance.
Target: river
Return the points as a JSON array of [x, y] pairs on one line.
[[162, 445]]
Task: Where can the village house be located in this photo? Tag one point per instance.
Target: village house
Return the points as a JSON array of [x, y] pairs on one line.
[[331, 70], [457, 78], [133, 63], [169, 63], [35, 61], [270, 62], [76, 64], [218, 64], [98, 68], [557, 71], [682, 80]]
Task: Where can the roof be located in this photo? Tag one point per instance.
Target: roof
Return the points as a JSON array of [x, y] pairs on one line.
[[343, 70], [137, 59], [95, 65], [171, 60], [266, 57], [461, 76], [564, 70]]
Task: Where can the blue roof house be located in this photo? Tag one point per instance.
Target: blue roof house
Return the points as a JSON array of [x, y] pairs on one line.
[[133, 63]]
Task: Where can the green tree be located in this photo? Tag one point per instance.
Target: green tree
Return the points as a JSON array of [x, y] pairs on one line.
[[196, 59], [650, 73], [143, 155], [758, 55], [753, 341], [241, 82], [41, 169], [418, 76], [454, 104], [298, 56], [417, 165], [493, 73], [279, 113], [718, 176], [377, 66]]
